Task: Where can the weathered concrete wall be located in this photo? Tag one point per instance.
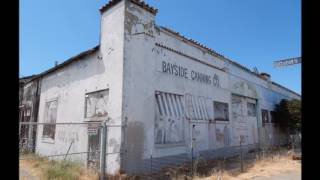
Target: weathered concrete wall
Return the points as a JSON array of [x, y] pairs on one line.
[[144, 75], [267, 96], [69, 85], [147, 49], [141, 64]]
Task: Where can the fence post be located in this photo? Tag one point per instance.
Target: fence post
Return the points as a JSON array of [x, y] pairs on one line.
[[292, 142], [103, 151], [151, 164], [30, 137], [192, 145], [241, 158], [19, 133]]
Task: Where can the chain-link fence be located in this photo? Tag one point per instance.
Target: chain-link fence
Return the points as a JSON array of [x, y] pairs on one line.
[[61, 141], [143, 164], [83, 143], [186, 166], [80, 143]]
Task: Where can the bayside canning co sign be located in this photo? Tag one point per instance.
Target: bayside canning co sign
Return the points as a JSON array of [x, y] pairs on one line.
[[186, 73]]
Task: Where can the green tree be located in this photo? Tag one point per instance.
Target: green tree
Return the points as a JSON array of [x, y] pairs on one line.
[[287, 114]]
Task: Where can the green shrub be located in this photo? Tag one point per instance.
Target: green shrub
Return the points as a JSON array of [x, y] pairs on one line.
[[288, 115]]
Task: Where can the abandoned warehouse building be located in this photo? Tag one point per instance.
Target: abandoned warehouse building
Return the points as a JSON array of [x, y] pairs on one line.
[[160, 90]]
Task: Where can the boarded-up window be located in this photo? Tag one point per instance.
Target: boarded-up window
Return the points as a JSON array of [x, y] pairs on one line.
[[96, 104], [251, 109], [50, 117], [197, 108], [265, 116], [221, 111], [169, 121]]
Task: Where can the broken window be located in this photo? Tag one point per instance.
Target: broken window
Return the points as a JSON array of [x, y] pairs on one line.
[[169, 122], [221, 111], [251, 109], [272, 114], [96, 104], [265, 116], [50, 117]]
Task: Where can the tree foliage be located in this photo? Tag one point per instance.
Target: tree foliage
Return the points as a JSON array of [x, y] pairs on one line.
[[287, 114]]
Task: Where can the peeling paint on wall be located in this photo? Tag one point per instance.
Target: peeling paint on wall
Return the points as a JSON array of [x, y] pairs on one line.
[[137, 22], [244, 88]]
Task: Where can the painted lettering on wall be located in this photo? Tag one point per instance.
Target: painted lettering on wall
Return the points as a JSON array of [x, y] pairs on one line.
[[193, 75]]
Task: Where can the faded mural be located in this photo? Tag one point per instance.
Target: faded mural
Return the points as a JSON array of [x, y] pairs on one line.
[[223, 137], [198, 107], [170, 116]]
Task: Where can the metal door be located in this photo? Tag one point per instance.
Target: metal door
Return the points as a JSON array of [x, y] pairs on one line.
[[94, 146]]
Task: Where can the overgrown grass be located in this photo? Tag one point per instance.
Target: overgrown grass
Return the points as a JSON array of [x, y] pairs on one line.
[[43, 168], [63, 170], [263, 165]]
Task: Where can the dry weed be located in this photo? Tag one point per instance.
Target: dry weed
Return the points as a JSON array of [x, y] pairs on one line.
[[263, 166]]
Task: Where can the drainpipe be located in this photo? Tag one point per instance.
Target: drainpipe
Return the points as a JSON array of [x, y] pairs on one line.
[[103, 151]]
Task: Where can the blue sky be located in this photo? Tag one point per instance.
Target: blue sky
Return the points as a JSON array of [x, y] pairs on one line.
[[252, 32]]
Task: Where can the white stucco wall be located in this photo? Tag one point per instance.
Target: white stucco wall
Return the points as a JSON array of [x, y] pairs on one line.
[[70, 84], [133, 51], [143, 76]]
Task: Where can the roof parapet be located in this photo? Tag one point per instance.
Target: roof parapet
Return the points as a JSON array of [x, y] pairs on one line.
[[140, 3]]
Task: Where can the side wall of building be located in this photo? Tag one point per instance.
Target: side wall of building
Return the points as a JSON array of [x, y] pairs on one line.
[[72, 84], [173, 96]]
